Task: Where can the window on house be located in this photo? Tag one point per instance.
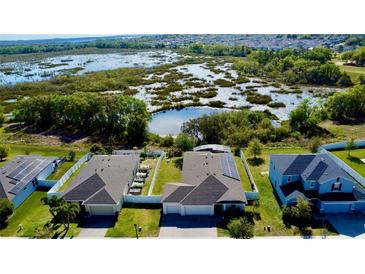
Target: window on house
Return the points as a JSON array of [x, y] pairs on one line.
[[289, 178], [338, 179], [336, 187], [312, 185]]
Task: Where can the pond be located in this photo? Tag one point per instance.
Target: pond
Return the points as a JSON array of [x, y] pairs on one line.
[[42, 69], [170, 121]]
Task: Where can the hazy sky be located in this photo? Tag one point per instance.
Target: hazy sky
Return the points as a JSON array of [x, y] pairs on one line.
[[12, 37]]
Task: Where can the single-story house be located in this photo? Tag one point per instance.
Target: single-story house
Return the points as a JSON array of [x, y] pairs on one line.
[[317, 178], [19, 178], [210, 185], [213, 148], [100, 186]]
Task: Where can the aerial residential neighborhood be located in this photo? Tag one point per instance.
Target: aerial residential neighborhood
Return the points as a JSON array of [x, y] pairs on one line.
[[183, 136]]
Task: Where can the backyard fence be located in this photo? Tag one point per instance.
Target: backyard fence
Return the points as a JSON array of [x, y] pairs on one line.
[[162, 154], [134, 199], [69, 173], [254, 194]]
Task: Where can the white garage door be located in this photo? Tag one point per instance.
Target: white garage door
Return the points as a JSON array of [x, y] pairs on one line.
[[101, 210], [197, 210], [171, 208]]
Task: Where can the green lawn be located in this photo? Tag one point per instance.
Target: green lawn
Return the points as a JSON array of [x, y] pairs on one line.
[[20, 149], [31, 214], [152, 163], [353, 71], [269, 208], [354, 159], [68, 182], [243, 175], [147, 217], [169, 172], [344, 132], [62, 169]]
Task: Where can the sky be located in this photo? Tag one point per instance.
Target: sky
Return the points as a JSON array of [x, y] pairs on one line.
[[14, 37]]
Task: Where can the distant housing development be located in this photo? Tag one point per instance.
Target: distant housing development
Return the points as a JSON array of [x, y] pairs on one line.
[[100, 186], [317, 178], [210, 185], [21, 176]]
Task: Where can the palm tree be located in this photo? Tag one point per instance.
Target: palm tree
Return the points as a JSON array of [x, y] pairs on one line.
[[66, 213]]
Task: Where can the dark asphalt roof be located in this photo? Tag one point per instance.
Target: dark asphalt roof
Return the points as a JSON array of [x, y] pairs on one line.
[[312, 167], [86, 189], [178, 194], [101, 197], [207, 193], [112, 173]]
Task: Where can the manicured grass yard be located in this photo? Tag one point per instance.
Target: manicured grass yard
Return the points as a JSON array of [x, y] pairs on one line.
[[62, 169], [353, 71], [169, 172], [243, 175], [31, 214], [146, 216], [354, 159], [17, 149], [152, 163], [68, 182]]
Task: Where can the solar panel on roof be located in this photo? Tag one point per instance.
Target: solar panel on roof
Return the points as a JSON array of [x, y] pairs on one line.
[[318, 171], [16, 171], [229, 166], [17, 188], [299, 164]]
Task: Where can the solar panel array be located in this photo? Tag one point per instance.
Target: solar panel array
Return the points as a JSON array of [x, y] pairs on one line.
[[299, 164], [229, 166], [25, 172], [318, 171]]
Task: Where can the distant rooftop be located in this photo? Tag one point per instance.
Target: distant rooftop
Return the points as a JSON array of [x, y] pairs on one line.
[[213, 148]]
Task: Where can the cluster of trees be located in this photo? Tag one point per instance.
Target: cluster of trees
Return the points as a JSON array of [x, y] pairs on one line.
[[2, 116], [4, 152], [298, 215], [124, 118], [218, 49], [235, 128], [357, 56], [348, 105], [107, 43], [6, 209], [295, 66], [176, 146], [241, 228]]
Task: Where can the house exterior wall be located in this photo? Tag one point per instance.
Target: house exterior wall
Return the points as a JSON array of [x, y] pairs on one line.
[[46, 172], [310, 185], [335, 207], [24, 194], [275, 176], [326, 187], [103, 209]]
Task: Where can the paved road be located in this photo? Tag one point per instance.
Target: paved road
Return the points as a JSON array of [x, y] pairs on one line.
[[96, 227], [176, 226]]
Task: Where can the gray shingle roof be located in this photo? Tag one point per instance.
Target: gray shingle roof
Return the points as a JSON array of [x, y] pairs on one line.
[[101, 197], [203, 171], [316, 167], [207, 193], [179, 194], [112, 173]]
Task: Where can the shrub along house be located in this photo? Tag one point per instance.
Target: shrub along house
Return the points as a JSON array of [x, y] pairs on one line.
[[100, 186], [317, 178], [20, 177], [210, 185]]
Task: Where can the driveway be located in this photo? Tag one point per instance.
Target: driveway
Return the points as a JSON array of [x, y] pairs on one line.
[[176, 226], [348, 225], [96, 227]]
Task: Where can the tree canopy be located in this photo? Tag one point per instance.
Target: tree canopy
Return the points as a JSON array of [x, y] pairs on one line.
[[125, 118]]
